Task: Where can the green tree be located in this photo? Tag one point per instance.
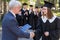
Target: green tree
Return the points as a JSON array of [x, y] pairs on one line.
[[59, 3], [39, 3], [4, 10], [24, 0]]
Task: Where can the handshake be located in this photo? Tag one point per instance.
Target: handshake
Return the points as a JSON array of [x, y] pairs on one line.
[[25, 28], [32, 34]]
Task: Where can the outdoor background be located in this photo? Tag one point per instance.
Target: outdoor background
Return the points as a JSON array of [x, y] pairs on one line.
[[4, 8]]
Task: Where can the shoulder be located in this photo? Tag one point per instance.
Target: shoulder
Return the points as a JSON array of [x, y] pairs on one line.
[[39, 19], [8, 17], [58, 19]]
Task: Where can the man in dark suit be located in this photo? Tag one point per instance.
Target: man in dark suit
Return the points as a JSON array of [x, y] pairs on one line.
[[10, 28]]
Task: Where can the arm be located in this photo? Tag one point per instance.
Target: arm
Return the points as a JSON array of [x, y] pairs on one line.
[[38, 31], [12, 25], [58, 27]]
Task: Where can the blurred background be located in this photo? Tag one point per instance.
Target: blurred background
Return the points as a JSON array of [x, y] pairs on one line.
[[39, 3]]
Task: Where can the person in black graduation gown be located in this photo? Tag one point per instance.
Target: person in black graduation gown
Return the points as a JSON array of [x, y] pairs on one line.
[[48, 25], [31, 17], [40, 11], [20, 18], [24, 7], [36, 16], [25, 13], [30, 9], [23, 16]]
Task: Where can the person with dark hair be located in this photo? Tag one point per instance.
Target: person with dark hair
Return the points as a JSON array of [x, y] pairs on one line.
[[36, 16], [30, 9], [25, 13], [20, 18], [31, 17], [23, 17], [48, 25], [25, 6], [37, 35], [31, 5], [40, 13]]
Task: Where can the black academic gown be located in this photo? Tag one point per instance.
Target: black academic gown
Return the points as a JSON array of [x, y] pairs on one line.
[[31, 20], [52, 28], [39, 14], [26, 17], [19, 19], [36, 19]]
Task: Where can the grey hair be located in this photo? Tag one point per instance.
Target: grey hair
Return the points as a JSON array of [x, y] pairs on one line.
[[14, 3]]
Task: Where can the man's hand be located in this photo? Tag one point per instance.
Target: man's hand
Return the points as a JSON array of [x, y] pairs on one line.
[[46, 33], [32, 34]]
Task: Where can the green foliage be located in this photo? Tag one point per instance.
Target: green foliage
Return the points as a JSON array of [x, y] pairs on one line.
[[19, 0], [23, 0], [42, 0], [58, 14], [6, 0], [0, 23]]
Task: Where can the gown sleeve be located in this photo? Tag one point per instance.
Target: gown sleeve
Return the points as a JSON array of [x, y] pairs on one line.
[[58, 26], [38, 31]]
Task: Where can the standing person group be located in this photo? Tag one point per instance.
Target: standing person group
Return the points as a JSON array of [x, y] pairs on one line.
[[28, 16], [44, 23], [48, 25]]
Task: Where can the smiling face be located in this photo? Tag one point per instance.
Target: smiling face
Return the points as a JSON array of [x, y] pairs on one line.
[[45, 10], [37, 10], [25, 6], [31, 8], [17, 9]]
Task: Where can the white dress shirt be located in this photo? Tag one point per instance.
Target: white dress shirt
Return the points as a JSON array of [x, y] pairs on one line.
[[13, 13]]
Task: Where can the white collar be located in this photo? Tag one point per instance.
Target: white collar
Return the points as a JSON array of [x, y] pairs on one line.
[[50, 20], [24, 9], [44, 19], [35, 13], [20, 13], [12, 13], [30, 11]]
